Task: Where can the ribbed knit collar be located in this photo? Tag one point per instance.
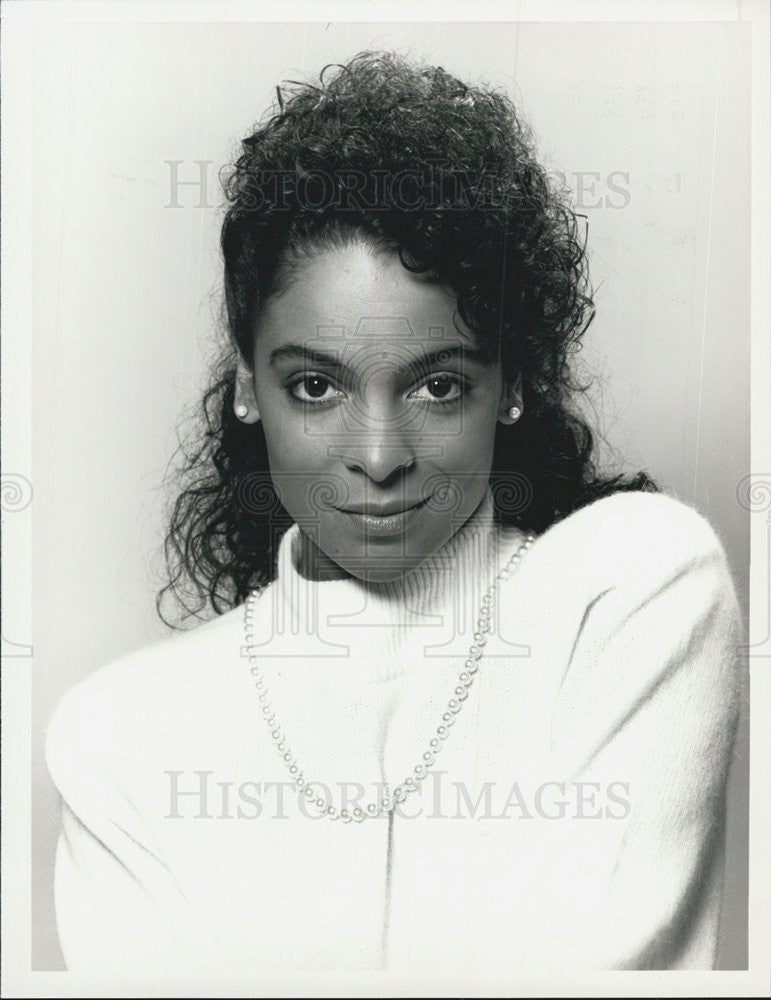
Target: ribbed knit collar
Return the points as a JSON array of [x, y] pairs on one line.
[[367, 632]]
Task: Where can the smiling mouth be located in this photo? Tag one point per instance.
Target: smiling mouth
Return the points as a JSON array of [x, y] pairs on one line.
[[382, 521], [384, 511]]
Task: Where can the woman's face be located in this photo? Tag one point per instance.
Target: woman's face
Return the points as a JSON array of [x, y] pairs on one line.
[[378, 415]]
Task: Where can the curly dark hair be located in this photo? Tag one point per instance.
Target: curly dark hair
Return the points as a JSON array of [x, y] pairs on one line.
[[413, 160]]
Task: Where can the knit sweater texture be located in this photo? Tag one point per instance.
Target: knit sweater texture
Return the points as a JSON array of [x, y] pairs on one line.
[[573, 817]]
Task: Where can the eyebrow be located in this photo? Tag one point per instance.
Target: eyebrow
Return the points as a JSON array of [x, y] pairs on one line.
[[423, 363]]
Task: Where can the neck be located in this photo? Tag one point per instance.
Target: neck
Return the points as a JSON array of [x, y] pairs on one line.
[[313, 565], [361, 631]]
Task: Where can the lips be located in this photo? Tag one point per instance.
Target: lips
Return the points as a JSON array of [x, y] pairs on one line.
[[383, 510], [387, 520]]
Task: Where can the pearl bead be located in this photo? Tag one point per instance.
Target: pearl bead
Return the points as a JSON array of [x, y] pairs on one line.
[[454, 706]]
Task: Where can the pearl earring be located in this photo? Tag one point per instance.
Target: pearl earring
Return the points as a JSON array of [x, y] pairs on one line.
[[515, 413], [241, 410]]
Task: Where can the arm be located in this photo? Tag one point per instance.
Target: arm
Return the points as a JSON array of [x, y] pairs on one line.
[[118, 906], [650, 700]]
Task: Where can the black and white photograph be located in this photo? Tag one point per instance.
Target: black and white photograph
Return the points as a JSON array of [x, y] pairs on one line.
[[386, 505]]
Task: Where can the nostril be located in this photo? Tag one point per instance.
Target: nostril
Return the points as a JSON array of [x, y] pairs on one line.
[[383, 466], [392, 478]]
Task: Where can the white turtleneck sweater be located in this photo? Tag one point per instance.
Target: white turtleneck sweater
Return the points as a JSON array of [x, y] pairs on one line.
[[573, 817]]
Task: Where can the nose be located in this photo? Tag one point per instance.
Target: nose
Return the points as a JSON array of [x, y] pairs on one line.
[[383, 465], [379, 448]]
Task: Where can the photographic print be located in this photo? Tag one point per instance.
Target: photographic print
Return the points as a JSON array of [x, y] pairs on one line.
[[382, 443]]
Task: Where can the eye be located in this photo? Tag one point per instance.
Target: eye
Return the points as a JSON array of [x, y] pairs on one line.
[[441, 388], [314, 388]]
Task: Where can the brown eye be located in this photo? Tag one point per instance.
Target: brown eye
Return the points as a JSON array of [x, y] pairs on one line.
[[439, 385], [315, 386], [443, 387], [313, 389]]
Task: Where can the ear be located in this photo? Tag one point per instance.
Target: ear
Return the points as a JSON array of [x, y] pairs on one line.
[[511, 396], [244, 397]]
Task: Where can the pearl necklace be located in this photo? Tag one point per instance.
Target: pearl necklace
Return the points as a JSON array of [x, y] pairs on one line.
[[410, 784]]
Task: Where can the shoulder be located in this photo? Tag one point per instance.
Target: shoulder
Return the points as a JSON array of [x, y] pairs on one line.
[[179, 662], [134, 706], [637, 518], [624, 559], [648, 614], [633, 534]]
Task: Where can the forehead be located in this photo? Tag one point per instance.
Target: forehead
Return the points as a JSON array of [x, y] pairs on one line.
[[359, 296]]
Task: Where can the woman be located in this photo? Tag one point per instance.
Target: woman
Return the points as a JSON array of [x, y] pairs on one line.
[[465, 703]]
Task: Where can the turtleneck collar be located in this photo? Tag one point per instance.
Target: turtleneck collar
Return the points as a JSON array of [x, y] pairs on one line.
[[350, 628]]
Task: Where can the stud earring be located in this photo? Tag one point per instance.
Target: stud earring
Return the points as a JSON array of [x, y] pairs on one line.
[[515, 413], [241, 410]]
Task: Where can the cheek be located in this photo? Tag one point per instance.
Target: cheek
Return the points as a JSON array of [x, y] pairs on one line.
[[472, 448], [299, 465], [290, 444]]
